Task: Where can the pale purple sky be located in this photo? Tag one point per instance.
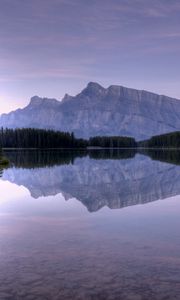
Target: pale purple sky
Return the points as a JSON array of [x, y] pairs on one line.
[[50, 47]]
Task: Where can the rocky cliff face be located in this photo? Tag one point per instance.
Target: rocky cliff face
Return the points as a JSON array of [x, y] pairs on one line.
[[98, 111]]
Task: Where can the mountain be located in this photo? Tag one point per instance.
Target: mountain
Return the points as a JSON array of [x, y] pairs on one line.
[[115, 110], [115, 183]]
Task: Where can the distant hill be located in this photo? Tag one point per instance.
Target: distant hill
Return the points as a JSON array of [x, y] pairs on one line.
[[97, 111]]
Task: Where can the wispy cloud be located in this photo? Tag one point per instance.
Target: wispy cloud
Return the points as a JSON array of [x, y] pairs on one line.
[[74, 40]]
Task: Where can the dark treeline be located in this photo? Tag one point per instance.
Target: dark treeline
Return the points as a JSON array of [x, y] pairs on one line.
[[112, 142], [31, 159], [48, 158], [39, 138], [163, 147], [171, 156], [112, 153], [168, 140]]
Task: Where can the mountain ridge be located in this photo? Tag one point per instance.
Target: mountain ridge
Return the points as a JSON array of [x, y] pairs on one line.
[[116, 110], [97, 183]]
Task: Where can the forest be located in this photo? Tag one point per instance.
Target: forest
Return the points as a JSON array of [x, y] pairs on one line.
[[49, 139], [168, 140], [40, 138], [112, 142]]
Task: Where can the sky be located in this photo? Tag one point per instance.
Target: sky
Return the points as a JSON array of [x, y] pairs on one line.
[[52, 47]]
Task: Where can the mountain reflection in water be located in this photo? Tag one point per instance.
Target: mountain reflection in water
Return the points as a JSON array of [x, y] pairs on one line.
[[56, 250], [97, 178]]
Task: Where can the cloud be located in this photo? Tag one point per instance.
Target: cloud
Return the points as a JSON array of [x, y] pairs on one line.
[[78, 39]]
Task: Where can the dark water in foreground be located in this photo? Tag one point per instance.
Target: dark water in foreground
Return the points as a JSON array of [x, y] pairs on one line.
[[90, 226]]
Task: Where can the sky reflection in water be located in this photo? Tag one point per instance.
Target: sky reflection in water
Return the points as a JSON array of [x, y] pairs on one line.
[[52, 247]]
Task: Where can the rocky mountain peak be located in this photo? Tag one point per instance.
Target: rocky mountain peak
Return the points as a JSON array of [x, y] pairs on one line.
[[37, 101], [66, 97], [115, 110], [93, 89]]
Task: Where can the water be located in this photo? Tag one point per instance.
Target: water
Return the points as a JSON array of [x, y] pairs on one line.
[[97, 225]]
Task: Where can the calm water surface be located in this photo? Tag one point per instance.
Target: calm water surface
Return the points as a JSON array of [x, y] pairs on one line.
[[90, 226]]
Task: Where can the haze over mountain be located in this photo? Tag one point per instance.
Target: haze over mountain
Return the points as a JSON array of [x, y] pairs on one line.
[[96, 110]]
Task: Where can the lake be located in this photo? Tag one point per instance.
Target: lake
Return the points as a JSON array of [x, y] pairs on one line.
[[90, 225]]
